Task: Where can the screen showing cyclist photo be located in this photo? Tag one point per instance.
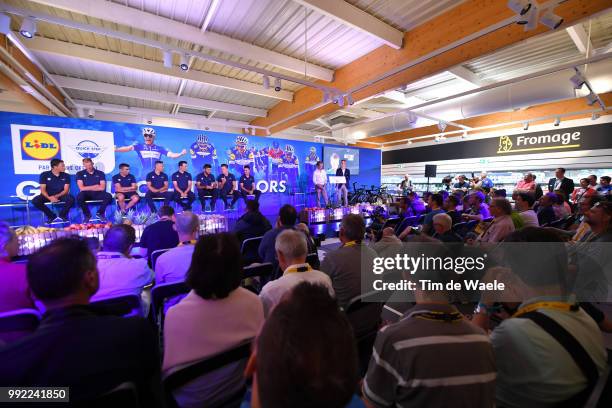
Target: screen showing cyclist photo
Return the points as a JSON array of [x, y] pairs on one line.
[[333, 155]]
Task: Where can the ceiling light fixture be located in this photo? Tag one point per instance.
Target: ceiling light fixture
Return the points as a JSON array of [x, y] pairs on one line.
[[326, 97], [442, 126], [5, 24], [577, 80], [526, 126], [28, 27], [409, 142], [168, 58], [551, 20], [184, 64], [91, 113], [349, 99], [591, 98], [520, 7], [595, 116], [266, 82], [277, 84], [557, 121]]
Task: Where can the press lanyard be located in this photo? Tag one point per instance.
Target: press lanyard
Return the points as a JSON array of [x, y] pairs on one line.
[[350, 244], [448, 317], [192, 242], [103, 256], [564, 306], [300, 268]]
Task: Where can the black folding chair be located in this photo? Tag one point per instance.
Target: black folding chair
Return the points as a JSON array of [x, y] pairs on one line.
[[15, 323], [127, 305], [160, 294], [156, 254], [359, 311], [249, 250], [178, 379], [391, 222], [262, 271], [313, 260]]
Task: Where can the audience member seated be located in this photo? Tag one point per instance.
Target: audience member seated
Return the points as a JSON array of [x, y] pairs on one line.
[[583, 191], [312, 246], [215, 316], [410, 364], [287, 216], [533, 368], [524, 205], [462, 183], [604, 187], [599, 218], [161, 234], [560, 206], [291, 251], [305, 355], [450, 206], [416, 206], [252, 223], [527, 184], [442, 227], [545, 212], [435, 205], [388, 242], [14, 291], [499, 193], [343, 266], [119, 273], [477, 210], [502, 224], [73, 346], [172, 265]]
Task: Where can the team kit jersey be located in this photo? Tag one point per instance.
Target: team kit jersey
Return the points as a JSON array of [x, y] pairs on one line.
[[205, 180], [207, 154], [229, 180], [237, 159], [54, 184], [157, 180], [182, 179], [289, 169], [124, 181], [91, 179], [149, 154], [247, 182]]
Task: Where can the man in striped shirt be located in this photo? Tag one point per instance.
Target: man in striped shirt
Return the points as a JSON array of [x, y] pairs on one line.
[[432, 357]]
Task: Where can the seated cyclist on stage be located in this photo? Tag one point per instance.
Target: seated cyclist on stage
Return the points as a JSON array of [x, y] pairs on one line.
[[207, 188], [54, 188], [247, 185], [157, 186], [92, 183], [125, 188]]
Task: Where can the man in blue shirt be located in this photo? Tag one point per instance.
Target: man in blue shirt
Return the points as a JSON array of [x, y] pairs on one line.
[[247, 185], [157, 186], [435, 205], [462, 183], [125, 188], [92, 184], [148, 152], [182, 182], [207, 188], [54, 188], [227, 187]]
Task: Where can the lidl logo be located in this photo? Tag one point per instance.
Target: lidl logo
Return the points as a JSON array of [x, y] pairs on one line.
[[39, 145]]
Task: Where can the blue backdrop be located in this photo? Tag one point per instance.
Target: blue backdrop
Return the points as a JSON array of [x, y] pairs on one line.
[[28, 142]]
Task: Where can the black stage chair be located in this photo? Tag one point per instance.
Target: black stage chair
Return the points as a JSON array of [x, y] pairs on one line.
[[208, 366], [18, 323], [156, 254], [128, 305], [249, 250]]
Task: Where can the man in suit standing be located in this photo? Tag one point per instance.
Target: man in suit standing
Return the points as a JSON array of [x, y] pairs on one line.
[[343, 188], [559, 182]]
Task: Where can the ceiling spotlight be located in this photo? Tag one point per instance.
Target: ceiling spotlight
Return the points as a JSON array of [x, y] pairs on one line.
[[149, 120], [184, 64], [28, 27], [464, 135], [595, 116], [253, 131], [530, 19], [557, 121], [268, 132], [437, 139], [266, 82], [551, 20], [80, 112], [591, 98], [520, 7], [349, 99], [167, 58], [577, 80], [277, 84], [341, 100], [91, 113], [442, 126], [526, 126], [5, 24], [409, 142]]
